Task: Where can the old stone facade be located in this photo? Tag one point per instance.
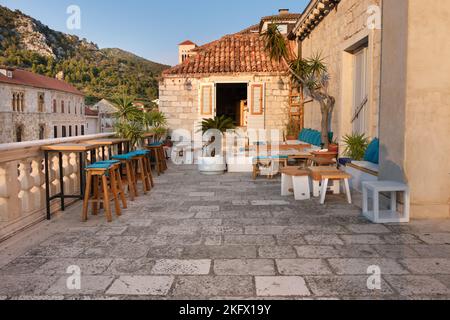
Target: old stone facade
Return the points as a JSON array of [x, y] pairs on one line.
[[232, 76], [41, 113], [339, 38], [182, 105]]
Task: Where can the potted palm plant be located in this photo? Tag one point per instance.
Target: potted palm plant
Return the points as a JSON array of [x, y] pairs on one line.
[[156, 123], [292, 130], [356, 146], [212, 161], [129, 123]]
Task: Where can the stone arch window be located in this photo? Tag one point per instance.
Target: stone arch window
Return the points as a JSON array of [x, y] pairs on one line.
[[68, 107], [14, 101], [21, 105], [62, 107], [76, 108], [41, 102], [19, 133], [55, 106], [42, 132]]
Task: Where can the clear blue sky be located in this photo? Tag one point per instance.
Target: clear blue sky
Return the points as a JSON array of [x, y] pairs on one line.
[[153, 28]]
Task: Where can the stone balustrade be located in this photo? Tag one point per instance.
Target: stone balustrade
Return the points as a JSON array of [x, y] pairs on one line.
[[22, 181]]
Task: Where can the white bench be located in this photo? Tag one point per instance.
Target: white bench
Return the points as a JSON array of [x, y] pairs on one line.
[[362, 171], [386, 216]]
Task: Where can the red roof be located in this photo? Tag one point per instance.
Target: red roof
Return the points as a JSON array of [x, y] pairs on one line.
[[187, 43], [90, 113], [26, 78], [244, 53]]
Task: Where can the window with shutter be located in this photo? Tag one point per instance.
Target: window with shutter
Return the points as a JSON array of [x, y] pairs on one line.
[[206, 103], [257, 107]]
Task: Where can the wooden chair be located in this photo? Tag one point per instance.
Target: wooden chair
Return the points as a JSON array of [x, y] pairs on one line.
[[107, 176]]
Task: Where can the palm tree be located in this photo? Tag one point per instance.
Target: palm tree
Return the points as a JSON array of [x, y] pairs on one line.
[[310, 73], [130, 120]]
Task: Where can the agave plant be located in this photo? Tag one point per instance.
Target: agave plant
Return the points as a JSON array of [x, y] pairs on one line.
[[311, 73], [356, 146], [132, 131]]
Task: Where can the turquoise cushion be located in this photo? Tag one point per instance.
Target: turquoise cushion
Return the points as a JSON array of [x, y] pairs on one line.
[[99, 166], [110, 162], [279, 157], [157, 144], [125, 157], [373, 152], [140, 153], [308, 136], [301, 136], [317, 139]]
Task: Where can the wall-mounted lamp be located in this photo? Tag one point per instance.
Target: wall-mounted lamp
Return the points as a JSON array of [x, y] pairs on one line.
[[188, 85], [281, 84]]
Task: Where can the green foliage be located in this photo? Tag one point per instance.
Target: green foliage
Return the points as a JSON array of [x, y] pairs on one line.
[[222, 123], [275, 43], [356, 146], [292, 128], [97, 73], [155, 119], [132, 130]]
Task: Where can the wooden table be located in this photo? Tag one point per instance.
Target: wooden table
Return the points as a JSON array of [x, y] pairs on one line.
[[295, 181], [316, 177], [110, 143], [81, 149]]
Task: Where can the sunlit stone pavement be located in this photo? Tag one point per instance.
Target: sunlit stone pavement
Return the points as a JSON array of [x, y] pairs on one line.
[[226, 237]]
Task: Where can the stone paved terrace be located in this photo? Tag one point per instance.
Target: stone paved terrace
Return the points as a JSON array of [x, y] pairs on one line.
[[227, 237]]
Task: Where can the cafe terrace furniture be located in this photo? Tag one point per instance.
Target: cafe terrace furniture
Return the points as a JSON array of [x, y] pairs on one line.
[[157, 154], [142, 171], [123, 146], [335, 176], [376, 188], [106, 176], [316, 180], [82, 150], [268, 165], [295, 181], [130, 179]]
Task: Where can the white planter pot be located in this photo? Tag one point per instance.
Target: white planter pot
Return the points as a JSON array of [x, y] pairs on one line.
[[212, 166]]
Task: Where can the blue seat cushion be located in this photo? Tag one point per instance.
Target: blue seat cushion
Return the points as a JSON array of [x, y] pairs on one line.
[[97, 165], [140, 152], [125, 157], [110, 162], [271, 157], [156, 144], [373, 152]]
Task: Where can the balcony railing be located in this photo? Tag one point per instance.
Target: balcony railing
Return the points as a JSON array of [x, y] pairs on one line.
[[22, 181]]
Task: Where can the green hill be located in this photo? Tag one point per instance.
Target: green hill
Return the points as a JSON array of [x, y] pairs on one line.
[[100, 73]]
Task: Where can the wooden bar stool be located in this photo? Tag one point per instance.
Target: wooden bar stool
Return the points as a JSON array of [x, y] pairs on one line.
[[127, 161], [141, 169], [107, 175], [157, 153]]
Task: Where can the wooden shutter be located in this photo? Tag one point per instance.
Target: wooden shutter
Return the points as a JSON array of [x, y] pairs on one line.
[[206, 100], [257, 99]]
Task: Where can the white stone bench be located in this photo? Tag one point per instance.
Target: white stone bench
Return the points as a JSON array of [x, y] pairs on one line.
[[386, 216], [362, 171]]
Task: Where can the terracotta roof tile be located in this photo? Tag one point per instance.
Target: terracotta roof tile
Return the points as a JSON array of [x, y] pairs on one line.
[[231, 54], [26, 78]]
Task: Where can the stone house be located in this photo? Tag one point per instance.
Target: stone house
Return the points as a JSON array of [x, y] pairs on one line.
[[231, 76], [35, 107], [389, 69], [106, 111]]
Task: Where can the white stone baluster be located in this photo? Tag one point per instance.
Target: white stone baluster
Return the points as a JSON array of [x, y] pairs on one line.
[[26, 184], [54, 175], [38, 190]]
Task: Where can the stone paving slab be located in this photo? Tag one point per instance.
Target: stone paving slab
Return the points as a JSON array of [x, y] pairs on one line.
[[227, 237], [141, 286], [281, 287]]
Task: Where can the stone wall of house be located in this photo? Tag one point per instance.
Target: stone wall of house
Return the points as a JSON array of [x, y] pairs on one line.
[[179, 99], [31, 119], [334, 38]]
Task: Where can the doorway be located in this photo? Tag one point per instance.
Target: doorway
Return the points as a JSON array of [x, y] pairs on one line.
[[231, 101]]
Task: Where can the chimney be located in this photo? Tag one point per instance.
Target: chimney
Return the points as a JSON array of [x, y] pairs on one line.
[[283, 11], [6, 71], [60, 76]]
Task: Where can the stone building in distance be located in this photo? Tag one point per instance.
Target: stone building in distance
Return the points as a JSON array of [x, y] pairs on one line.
[[232, 76], [35, 107]]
